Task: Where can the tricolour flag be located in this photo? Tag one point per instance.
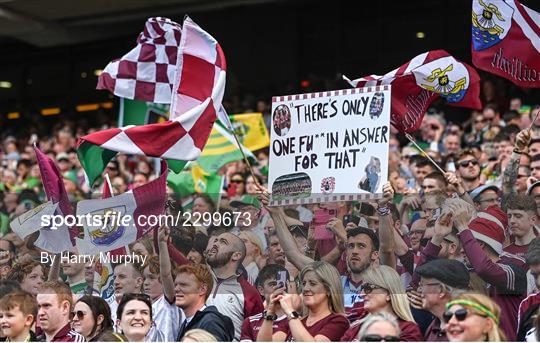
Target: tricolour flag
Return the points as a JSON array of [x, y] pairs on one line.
[[197, 95], [417, 83], [137, 112], [125, 217], [55, 239], [506, 40], [250, 130]]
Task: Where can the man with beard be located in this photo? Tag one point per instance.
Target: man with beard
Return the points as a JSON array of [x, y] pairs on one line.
[[468, 168], [231, 293], [361, 250]]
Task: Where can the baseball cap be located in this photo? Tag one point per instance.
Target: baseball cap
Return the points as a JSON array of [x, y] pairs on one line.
[[479, 190], [246, 200]]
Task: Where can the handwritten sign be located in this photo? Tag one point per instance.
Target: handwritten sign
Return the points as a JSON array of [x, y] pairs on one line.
[[329, 146]]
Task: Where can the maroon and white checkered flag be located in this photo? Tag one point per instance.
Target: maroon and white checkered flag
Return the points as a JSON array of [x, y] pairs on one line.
[[147, 72], [199, 85]]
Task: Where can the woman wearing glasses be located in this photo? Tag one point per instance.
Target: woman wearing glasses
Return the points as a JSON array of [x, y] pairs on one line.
[[134, 316], [91, 317], [383, 292], [380, 327], [323, 303], [473, 317]]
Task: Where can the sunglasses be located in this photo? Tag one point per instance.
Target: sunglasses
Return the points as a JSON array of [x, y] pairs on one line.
[[460, 314], [467, 162], [369, 287], [379, 338], [478, 121], [78, 314], [237, 181]]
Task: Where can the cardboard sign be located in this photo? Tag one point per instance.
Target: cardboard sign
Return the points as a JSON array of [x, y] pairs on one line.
[[329, 146]]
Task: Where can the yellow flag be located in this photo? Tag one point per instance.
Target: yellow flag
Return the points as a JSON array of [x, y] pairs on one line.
[[251, 130]]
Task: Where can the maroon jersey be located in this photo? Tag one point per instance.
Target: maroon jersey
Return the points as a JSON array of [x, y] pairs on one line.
[[252, 325], [332, 327], [517, 250], [66, 334]]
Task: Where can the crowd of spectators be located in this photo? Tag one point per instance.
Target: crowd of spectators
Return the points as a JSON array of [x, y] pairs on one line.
[[450, 256]]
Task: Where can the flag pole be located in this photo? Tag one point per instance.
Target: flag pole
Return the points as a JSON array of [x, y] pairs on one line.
[[108, 180], [411, 139], [532, 122], [225, 120]]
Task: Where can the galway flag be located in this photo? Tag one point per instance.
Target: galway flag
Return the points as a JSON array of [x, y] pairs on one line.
[[417, 83], [55, 239], [124, 218], [197, 94], [147, 71], [506, 40], [32, 221]]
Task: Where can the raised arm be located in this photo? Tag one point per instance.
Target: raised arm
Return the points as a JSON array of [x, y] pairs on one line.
[[174, 253], [386, 231], [285, 237], [54, 272], [165, 268], [512, 168]]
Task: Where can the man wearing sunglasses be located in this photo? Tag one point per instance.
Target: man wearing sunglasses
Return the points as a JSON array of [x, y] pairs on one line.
[[440, 281], [468, 168]]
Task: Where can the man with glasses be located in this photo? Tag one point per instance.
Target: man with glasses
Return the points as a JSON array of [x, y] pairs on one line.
[[440, 281], [468, 168], [486, 196], [522, 218]]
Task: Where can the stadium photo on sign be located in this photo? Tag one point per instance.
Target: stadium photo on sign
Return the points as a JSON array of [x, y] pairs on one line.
[[269, 171]]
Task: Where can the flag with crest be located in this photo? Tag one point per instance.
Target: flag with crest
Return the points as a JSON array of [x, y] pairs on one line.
[[417, 83], [506, 40]]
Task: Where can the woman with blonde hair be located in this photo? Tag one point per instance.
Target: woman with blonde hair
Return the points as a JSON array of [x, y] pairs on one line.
[[473, 318], [323, 302], [383, 292]]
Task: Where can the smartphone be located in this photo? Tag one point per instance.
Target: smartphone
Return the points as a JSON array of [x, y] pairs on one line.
[[281, 279], [351, 218], [321, 218]]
